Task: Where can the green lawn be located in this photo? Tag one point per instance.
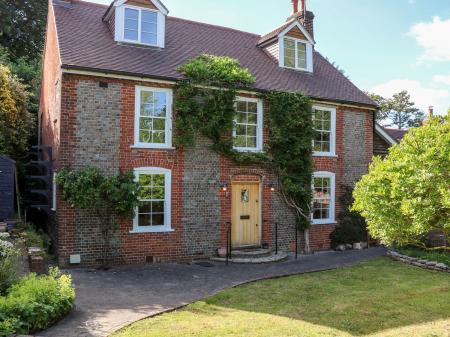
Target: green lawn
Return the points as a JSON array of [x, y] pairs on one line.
[[376, 298]]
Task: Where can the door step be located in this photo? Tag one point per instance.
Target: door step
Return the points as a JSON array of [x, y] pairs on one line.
[[271, 257], [250, 252]]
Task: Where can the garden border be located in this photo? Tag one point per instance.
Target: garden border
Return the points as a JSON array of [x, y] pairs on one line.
[[431, 265]]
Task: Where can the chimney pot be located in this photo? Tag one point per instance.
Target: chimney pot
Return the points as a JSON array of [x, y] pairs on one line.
[[294, 6]]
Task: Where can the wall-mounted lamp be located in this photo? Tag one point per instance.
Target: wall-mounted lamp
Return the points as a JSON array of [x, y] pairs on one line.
[[272, 187], [223, 187]]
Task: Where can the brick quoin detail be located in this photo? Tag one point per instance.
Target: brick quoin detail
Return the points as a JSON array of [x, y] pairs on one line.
[[197, 230]]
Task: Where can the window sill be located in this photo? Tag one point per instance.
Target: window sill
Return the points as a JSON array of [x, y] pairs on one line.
[[324, 154], [247, 150], [324, 222], [152, 230], [152, 146]]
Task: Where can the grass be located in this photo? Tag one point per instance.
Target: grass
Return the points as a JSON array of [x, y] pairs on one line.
[[436, 256], [377, 298]]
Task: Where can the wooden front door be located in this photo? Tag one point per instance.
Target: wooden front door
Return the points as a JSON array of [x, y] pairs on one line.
[[246, 214]]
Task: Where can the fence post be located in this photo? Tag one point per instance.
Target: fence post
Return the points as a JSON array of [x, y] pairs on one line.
[[296, 242]]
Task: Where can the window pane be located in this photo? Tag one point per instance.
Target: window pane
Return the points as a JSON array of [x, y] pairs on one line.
[[240, 141], [151, 211], [160, 104], [159, 124], [148, 38], [158, 137], [251, 130], [158, 206], [240, 130], [289, 58], [149, 17], [158, 180], [251, 142], [252, 107], [301, 53], [131, 35], [145, 193], [241, 106], [145, 207], [131, 24], [241, 117], [321, 198], [144, 136], [153, 104], [157, 219], [252, 118], [145, 180], [144, 220], [246, 129]]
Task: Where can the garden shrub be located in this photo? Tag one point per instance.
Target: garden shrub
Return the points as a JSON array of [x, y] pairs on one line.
[[352, 226], [36, 302], [407, 195], [9, 263]]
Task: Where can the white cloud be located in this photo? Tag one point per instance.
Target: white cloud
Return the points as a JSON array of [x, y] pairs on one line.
[[444, 79], [433, 38], [422, 96]]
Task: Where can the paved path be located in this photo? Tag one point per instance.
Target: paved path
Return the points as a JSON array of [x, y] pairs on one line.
[[109, 300]]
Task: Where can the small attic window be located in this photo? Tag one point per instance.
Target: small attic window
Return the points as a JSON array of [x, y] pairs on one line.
[[140, 22], [140, 25], [295, 54], [296, 48]]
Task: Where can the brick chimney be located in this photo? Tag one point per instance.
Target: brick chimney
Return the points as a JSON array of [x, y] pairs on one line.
[[305, 17]]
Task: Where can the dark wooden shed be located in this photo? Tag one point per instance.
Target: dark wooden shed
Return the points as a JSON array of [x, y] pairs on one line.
[[7, 187]]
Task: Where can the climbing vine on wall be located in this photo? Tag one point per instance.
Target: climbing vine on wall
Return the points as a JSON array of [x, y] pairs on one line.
[[205, 105]]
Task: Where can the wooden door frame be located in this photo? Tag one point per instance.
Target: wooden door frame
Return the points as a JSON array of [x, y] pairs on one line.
[[260, 224]]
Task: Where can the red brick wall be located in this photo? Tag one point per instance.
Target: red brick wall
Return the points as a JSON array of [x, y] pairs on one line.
[[135, 248]]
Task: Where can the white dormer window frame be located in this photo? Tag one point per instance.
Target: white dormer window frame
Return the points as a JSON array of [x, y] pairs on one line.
[[120, 25], [309, 46]]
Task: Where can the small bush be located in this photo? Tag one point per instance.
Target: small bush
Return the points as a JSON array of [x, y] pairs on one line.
[[36, 302], [352, 226], [9, 263]]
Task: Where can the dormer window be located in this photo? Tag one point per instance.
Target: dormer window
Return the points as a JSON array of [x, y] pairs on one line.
[[296, 48], [295, 54], [138, 22], [140, 25]]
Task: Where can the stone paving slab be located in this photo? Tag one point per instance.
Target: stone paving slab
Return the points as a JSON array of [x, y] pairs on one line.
[[109, 300]]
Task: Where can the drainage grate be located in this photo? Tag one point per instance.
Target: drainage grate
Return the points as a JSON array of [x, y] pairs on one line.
[[204, 264]]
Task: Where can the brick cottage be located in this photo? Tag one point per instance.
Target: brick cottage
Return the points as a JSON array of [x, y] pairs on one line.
[[107, 100]]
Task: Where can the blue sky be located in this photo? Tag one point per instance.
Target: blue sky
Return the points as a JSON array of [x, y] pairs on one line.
[[383, 45]]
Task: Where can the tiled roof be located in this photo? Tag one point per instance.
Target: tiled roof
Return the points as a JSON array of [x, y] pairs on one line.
[[396, 133], [274, 33], [86, 42]]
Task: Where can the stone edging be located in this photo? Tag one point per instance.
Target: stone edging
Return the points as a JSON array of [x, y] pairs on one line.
[[418, 262]]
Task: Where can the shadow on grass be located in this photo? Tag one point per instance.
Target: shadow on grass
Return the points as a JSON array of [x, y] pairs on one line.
[[363, 299]]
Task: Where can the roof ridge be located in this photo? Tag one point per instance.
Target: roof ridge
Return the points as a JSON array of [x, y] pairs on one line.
[[213, 25], [92, 3], [284, 24]]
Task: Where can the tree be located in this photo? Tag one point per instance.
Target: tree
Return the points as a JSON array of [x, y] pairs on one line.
[[105, 197], [382, 103], [22, 27], [399, 110], [407, 195], [16, 122]]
